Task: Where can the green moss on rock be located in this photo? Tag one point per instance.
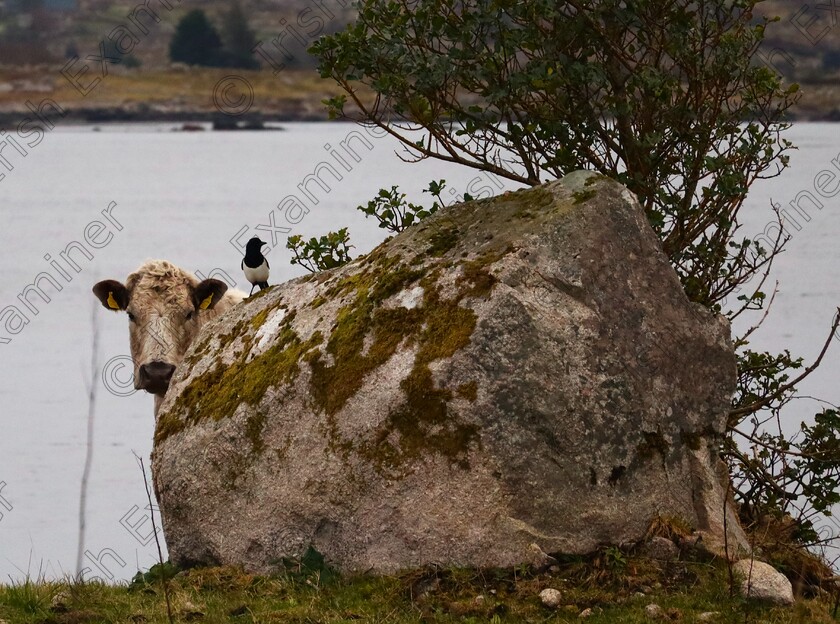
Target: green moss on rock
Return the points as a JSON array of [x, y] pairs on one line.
[[217, 393], [478, 279], [254, 425], [259, 318], [198, 352], [262, 292], [332, 385], [424, 422], [533, 202], [584, 196], [365, 335], [442, 241]]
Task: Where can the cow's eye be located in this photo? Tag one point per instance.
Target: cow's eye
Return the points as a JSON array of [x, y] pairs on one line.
[[190, 314], [131, 317]]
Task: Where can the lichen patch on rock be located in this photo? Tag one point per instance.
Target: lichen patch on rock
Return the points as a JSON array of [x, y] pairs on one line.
[[269, 327]]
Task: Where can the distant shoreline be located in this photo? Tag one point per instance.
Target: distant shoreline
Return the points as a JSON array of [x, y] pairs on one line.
[[97, 117], [93, 117], [192, 95]]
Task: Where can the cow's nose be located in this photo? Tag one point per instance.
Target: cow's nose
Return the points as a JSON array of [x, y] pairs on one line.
[[154, 377]]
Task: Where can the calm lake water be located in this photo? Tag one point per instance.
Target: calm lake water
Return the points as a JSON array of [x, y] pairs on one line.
[[185, 197]]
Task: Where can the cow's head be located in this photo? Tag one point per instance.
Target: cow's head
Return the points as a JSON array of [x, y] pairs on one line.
[[166, 307]]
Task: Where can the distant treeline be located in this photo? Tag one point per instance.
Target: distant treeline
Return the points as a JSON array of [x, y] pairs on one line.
[[212, 34]]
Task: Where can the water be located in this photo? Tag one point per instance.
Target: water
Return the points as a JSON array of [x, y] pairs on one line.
[[183, 197]]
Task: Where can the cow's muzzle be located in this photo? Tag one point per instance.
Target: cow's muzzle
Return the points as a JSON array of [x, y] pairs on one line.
[[154, 377]]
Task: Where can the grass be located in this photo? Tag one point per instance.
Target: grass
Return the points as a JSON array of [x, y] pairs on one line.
[[292, 92], [28, 597], [615, 588]]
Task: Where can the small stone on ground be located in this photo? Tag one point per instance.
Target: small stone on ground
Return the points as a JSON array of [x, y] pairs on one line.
[[550, 598], [653, 610], [661, 548], [762, 581]]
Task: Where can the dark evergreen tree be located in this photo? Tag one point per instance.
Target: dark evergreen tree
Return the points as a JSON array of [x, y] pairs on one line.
[[239, 39], [196, 41], [112, 51]]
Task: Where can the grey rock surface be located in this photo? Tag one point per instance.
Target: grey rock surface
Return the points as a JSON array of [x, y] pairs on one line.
[[514, 371], [762, 581]]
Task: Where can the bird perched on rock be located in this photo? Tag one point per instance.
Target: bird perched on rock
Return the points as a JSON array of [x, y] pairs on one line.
[[255, 265]]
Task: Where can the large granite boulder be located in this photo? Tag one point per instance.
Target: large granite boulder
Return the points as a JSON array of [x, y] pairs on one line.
[[511, 377]]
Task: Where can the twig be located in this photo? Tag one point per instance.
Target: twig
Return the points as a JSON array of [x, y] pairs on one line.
[[743, 339], [726, 540], [817, 400], [91, 388], [749, 577], [163, 579], [767, 263], [753, 407], [779, 450]]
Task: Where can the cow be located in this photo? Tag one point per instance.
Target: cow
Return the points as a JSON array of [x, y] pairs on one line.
[[166, 307]]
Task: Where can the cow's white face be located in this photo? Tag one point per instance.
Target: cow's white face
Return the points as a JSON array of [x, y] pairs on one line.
[[166, 307]]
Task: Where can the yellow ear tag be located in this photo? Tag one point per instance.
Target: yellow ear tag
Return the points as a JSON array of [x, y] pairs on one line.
[[206, 303], [112, 303]]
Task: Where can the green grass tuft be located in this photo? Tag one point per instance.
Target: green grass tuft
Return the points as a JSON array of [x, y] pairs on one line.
[[615, 585]]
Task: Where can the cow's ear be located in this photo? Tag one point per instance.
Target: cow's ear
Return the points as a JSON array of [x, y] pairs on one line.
[[112, 294], [208, 293]]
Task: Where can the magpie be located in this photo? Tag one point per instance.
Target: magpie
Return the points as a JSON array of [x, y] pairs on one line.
[[255, 265]]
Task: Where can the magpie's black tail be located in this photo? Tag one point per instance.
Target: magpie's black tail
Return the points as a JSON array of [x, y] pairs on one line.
[[262, 285]]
